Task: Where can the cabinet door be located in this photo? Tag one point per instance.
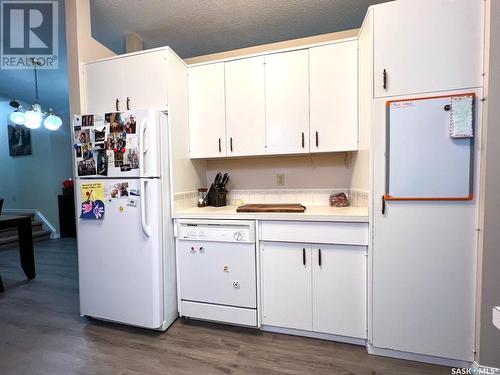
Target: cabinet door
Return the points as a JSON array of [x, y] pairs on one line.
[[427, 45], [245, 107], [333, 72], [207, 122], [339, 290], [287, 102], [286, 285], [145, 80], [103, 86]]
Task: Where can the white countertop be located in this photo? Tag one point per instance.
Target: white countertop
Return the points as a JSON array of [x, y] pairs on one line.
[[312, 213]]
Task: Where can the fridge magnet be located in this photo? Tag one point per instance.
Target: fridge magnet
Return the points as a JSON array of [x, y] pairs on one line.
[[99, 135], [102, 163], [115, 121], [120, 190], [92, 207], [110, 142], [133, 158], [77, 122], [86, 167], [125, 168], [86, 152], [99, 147], [118, 159], [130, 124], [99, 120], [82, 136], [19, 140], [134, 192], [77, 128], [78, 151], [88, 120], [132, 203]]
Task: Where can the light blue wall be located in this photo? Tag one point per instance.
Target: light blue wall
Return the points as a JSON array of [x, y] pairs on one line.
[[33, 182]]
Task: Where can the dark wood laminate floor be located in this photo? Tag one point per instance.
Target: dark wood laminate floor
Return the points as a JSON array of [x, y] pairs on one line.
[[41, 332]]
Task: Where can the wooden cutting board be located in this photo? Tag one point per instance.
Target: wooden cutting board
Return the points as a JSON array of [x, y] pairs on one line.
[[272, 207]]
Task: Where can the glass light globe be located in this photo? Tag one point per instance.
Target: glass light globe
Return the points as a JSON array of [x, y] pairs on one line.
[[33, 119], [52, 122], [17, 117]]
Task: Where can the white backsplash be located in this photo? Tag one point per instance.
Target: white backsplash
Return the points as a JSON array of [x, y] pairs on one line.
[[307, 197]]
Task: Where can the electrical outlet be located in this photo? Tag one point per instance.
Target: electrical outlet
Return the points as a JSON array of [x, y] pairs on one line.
[[280, 179]]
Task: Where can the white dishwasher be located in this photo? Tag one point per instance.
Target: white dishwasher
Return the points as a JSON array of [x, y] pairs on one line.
[[216, 270]]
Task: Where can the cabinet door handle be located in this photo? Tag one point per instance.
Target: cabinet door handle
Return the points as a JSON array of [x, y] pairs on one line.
[[304, 256], [220, 147], [117, 104], [128, 103], [231, 143], [384, 79], [319, 257], [317, 139], [303, 140]]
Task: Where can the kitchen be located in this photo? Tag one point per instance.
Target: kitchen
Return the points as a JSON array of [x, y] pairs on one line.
[[271, 192]]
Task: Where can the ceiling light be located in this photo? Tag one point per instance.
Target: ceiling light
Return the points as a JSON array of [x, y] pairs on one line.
[[17, 117], [52, 122], [33, 119]]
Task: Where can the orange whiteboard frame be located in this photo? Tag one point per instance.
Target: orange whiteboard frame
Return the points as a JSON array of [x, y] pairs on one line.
[[389, 197]]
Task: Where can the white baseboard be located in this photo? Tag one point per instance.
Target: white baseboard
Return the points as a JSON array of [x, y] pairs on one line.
[[418, 357], [484, 370], [315, 335], [54, 233]]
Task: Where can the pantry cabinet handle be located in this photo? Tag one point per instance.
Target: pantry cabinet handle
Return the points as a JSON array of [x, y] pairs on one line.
[[384, 79], [220, 148], [319, 257], [304, 256], [128, 103], [317, 139], [231, 143], [303, 141], [117, 104]]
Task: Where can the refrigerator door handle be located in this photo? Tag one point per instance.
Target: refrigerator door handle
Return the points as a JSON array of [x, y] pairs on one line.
[[145, 227], [142, 146]]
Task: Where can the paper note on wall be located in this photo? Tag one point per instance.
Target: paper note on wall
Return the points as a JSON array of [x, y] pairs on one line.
[[461, 117], [92, 206]]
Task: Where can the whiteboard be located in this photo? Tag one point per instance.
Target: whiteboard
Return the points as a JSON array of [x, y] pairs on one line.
[[423, 162]]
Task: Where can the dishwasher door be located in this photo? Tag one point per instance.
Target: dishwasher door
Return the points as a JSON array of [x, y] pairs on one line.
[[222, 273]]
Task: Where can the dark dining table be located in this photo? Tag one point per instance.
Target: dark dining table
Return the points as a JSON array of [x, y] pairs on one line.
[[27, 257]]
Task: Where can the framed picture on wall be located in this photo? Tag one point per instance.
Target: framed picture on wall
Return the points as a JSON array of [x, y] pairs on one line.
[[19, 140]]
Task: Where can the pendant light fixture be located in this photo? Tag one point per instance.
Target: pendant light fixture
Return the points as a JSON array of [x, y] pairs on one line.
[[33, 117]]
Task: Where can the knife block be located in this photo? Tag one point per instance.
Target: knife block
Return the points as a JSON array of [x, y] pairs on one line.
[[216, 197]]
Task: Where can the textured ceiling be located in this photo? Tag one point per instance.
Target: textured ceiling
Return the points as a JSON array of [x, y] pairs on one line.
[[198, 27]]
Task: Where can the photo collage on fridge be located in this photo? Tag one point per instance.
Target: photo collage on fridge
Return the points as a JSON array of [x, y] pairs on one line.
[[106, 142]]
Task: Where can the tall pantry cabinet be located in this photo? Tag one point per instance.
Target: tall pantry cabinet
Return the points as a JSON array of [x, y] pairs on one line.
[[423, 253]]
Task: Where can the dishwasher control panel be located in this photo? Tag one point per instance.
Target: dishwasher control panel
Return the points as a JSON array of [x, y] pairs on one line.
[[216, 231]]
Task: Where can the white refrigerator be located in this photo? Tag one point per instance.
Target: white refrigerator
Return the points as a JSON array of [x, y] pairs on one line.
[[126, 255]]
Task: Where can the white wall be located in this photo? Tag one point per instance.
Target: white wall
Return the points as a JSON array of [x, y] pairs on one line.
[[319, 171], [33, 182]]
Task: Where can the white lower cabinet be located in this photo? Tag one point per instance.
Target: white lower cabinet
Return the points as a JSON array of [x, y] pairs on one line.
[[339, 290], [286, 285], [319, 288]]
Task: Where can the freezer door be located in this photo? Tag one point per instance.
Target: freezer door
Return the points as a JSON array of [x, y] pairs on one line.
[[118, 144], [120, 256]]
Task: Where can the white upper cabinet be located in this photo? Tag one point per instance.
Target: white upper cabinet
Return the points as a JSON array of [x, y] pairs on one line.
[[103, 86], [207, 122], [333, 75], [427, 45], [136, 81], [245, 107], [287, 102], [339, 290], [145, 80]]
